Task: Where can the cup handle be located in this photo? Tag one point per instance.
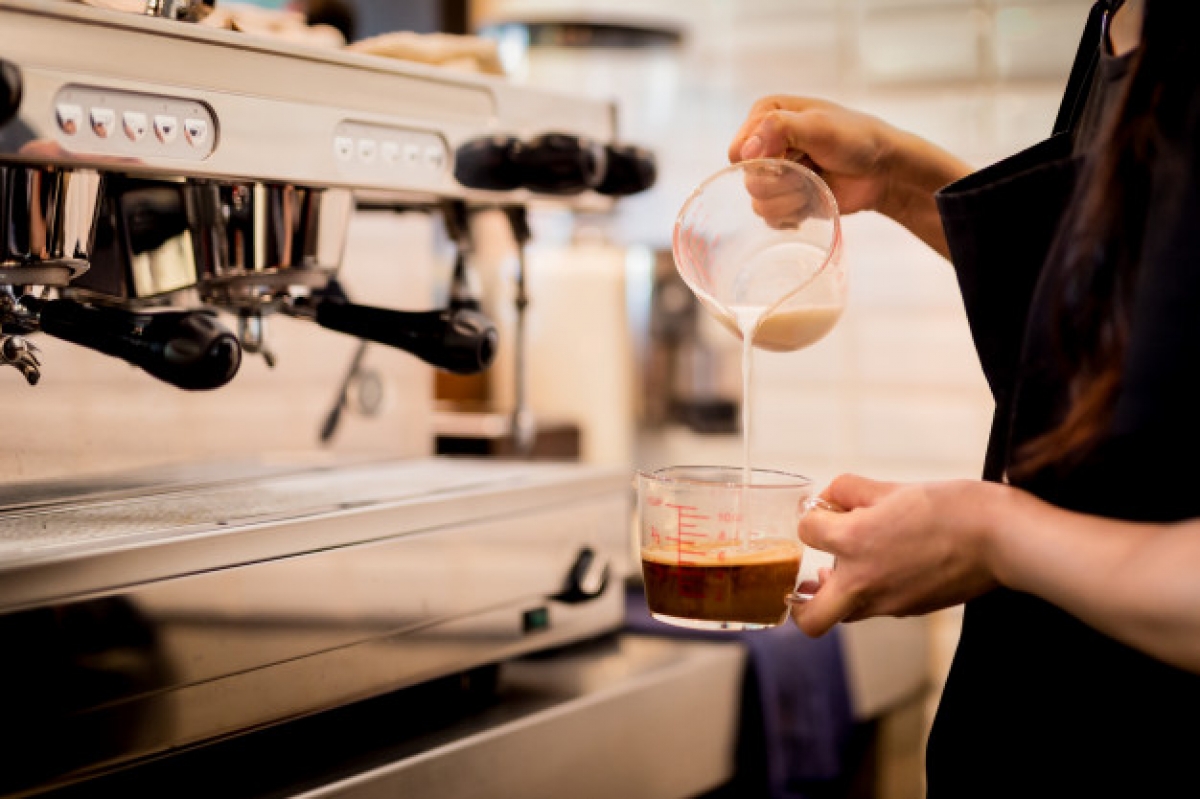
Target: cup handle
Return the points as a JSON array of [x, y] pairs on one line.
[[806, 580]]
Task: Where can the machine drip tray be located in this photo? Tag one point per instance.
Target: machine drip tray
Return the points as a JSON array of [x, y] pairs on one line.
[[621, 715]]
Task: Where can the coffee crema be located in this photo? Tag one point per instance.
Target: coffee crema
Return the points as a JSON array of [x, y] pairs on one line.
[[722, 582]]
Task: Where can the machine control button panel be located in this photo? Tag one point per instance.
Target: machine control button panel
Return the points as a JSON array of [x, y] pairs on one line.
[[136, 113], [390, 156]]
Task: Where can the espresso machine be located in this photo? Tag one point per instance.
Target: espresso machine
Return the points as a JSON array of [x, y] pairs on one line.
[[314, 626]]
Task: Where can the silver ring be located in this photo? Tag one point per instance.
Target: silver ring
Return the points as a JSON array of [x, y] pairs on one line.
[[820, 503]]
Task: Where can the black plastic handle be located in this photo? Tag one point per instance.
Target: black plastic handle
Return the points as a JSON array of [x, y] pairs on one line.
[[10, 90], [587, 580], [631, 169], [489, 163], [458, 340], [561, 163], [188, 349]]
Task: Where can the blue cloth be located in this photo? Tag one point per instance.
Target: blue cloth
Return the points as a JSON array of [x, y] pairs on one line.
[[802, 691]]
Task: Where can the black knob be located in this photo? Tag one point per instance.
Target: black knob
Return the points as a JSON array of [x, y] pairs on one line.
[[10, 90], [489, 163], [560, 163], [458, 340], [188, 349], [587, 579], [630, 169]]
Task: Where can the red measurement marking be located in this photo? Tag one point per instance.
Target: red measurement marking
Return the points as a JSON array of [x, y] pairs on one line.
[[685, 524], [686, 535], [654, 502]]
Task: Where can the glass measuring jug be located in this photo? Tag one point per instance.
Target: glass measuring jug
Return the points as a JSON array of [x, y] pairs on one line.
[[718, 552], [760, 245]]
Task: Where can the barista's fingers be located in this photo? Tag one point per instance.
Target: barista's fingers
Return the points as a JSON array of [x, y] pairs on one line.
[[771, 182], [823, 529], [807, 588], [783, 213], [781, 199], [740, 147], [828, 606], [851, 491], [808, 136]]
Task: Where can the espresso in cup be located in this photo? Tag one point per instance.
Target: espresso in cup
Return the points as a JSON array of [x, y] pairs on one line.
[[719, 582]]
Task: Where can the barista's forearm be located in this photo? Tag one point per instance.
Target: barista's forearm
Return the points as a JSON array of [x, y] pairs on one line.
[[917, 168], [1137, 583]]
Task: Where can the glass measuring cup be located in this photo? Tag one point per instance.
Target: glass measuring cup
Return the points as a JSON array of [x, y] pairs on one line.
[[760, 245], [719, 553]]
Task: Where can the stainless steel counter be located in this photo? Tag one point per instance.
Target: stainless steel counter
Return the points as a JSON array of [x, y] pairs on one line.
[[142, 619], [621, 715]]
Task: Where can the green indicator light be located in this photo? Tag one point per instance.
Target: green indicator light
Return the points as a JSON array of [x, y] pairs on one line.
[[536, 619]]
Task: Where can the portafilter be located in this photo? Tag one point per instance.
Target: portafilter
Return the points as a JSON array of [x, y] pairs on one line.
[[254, 249]]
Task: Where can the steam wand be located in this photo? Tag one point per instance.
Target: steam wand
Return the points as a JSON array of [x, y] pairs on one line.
[[334, 417], [524, 426]]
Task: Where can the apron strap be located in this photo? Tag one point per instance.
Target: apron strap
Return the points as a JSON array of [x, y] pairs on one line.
[[1084, 66]]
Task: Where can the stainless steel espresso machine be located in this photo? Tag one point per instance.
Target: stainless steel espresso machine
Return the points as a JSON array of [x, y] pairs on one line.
[[329, 626]]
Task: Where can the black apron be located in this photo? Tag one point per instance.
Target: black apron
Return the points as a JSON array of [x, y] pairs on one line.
[[1037, 703]]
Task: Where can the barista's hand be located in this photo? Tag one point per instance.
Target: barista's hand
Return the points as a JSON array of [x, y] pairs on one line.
[[904, 549], [901, 550], [847, 148], [868, 164]]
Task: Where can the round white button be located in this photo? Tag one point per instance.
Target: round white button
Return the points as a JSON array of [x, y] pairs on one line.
[[165, 127], [103, 121], [134, 124]]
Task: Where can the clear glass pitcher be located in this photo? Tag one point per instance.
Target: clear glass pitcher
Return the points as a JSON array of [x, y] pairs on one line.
[[760, 245]]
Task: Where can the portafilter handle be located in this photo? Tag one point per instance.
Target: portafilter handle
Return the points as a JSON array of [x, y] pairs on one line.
[[561, 163], [631, 169], [458, 340], [189, 349], [552, 163]]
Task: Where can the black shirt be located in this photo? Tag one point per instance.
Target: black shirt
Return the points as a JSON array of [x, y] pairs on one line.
[[1037, 703]]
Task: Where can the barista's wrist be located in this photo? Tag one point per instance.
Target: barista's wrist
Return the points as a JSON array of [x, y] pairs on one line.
[[914, 169]]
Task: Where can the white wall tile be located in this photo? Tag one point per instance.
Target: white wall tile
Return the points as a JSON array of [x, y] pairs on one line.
[[902, 348], [1034, 40], [888, 267], [918, 43], [929, 426], [815, 423]]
